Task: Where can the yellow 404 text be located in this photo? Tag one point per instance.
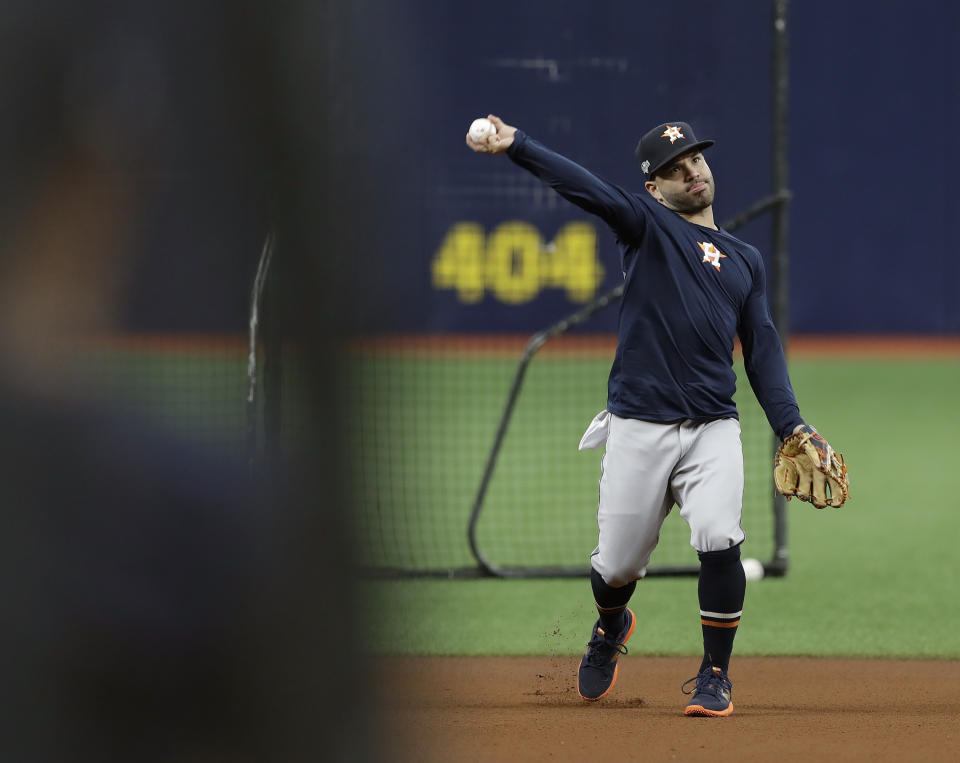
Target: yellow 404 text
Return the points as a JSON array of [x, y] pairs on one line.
[[514, 264]]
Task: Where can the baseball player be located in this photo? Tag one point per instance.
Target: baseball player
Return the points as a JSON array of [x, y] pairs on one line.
[[670, 427]]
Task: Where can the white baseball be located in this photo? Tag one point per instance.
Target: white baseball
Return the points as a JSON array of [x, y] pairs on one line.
[[753, 569], [480, 129]]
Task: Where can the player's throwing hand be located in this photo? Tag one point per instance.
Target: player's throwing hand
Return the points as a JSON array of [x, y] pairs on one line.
[[495, 143]]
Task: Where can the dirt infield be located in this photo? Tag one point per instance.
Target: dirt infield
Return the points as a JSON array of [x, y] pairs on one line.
[[528, 709]]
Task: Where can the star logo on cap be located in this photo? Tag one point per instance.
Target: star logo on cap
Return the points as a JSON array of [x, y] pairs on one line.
[[673, 133], [711, 254]]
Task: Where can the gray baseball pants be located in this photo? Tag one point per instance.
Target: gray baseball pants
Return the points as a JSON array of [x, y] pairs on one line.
[[650, 467]]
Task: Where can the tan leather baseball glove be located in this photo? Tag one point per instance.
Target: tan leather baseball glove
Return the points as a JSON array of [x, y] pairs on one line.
[[807, 467]]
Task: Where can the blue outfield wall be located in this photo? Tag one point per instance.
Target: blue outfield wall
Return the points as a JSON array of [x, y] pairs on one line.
[[449, 241], [472, 243]]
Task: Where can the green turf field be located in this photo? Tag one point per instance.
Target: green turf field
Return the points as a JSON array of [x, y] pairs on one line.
[[876, 578], [422, 436], [198, 394]]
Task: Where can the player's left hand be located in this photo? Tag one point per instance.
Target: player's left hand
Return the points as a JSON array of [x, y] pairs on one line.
[[807, 467]]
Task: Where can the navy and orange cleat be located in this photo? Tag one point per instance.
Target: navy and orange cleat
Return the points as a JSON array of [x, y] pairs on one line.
[[711, 695], [598, 668]]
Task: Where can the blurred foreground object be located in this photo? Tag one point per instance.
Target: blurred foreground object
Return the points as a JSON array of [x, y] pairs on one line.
[[157, 605]]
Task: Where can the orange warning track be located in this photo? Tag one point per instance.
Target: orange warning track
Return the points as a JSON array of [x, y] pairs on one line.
[[603, 345], [884, 347], [478, 345], [178, 344]]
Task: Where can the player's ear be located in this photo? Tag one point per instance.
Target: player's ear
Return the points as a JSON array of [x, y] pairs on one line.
[[653, 190]]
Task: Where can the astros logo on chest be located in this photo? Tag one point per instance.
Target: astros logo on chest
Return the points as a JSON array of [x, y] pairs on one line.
[[711, 254]]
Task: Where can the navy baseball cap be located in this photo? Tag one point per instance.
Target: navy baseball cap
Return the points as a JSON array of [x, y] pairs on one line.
[[664, 143]]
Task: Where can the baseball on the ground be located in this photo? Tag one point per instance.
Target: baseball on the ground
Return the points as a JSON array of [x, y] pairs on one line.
[[480, 129], [753, 569]]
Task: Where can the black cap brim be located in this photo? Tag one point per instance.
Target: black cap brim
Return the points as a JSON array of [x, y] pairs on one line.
[[699, 146]]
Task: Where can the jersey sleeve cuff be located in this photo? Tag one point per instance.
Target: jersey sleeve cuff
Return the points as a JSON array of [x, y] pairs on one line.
[[788, 430], [519, 138]]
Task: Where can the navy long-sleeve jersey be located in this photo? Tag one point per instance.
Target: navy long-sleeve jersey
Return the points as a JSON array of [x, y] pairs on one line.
[[688, 291]]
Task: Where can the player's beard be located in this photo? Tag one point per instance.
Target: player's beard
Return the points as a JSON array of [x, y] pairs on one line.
[[685, 202]]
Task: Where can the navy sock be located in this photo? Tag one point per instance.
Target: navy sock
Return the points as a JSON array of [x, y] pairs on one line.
[[611, 602], [721, 590]]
